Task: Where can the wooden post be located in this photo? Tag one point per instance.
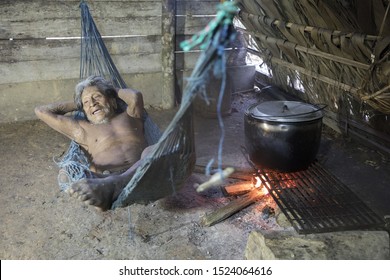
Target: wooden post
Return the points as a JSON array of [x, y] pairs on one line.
[[168, 32]]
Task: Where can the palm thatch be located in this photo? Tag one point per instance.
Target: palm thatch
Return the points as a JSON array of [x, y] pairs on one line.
[[333, 48]]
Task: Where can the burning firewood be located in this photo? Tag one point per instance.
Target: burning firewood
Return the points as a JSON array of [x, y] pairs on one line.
[[238, 188], [233, 207]]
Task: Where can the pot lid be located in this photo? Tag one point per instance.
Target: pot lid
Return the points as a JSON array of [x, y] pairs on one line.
[[285, 111]]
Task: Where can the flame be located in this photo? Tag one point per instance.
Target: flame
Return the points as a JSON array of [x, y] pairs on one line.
[[259, 185], [258, 182]]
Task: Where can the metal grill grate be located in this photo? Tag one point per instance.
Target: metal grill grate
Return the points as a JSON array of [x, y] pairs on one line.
[[314, 201]]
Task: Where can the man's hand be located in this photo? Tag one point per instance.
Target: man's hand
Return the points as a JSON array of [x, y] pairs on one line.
[[134, 101], [60, 108], [54, 116]]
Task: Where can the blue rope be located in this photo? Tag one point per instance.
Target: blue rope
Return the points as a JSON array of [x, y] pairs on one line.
[[219, 68], [217, 34], [74, 166]]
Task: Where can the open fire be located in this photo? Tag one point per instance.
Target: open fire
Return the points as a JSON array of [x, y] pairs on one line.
[[258, 183], [247, 192], [312, 200]]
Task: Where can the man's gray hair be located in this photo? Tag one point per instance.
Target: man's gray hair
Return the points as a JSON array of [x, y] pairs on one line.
[[104, 87]]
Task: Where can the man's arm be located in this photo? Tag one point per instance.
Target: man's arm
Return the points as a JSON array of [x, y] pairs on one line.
[[134, 101], [54, 116]]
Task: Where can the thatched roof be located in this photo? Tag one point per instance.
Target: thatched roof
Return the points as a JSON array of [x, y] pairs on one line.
[[338, 50]]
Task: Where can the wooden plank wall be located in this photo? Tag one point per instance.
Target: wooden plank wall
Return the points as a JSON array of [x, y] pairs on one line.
[[40, 47]]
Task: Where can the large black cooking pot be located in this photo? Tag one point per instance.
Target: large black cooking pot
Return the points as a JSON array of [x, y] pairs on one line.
[[283, 135]]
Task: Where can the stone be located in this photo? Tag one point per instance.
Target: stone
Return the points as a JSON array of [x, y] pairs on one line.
[[344, 245]]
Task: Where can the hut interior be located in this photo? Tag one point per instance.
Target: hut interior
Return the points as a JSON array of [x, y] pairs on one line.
[[333, 55]]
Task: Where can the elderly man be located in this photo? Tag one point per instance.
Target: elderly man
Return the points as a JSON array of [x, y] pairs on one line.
[[112, 139]]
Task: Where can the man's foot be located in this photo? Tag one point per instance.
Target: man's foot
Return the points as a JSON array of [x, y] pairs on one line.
[[101, 192]]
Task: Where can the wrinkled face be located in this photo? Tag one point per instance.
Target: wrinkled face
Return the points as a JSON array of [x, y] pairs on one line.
[[97, 107]]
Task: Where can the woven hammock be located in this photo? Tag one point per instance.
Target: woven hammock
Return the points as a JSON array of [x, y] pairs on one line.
[[171, 162], [95, 60]]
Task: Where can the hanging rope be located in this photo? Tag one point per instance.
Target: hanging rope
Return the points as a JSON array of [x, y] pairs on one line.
[[175, 148], [221, 27], [172, 159], [94, 60]]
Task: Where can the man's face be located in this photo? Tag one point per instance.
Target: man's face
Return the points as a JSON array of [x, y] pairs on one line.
[[98, 108]]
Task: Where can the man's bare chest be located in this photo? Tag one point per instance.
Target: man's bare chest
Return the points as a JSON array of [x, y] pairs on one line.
[[118, 134]]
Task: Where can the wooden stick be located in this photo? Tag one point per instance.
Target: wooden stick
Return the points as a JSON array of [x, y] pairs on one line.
[[269, 21], [315, 52], [231, 208], [237, 174], [317, 76], [379, 92], [216, 179], [238, 188]]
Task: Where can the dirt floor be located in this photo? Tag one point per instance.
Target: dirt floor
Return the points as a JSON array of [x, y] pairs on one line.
[[38, 221]]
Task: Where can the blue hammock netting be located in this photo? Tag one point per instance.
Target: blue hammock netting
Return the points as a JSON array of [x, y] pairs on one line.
[[172, 160]]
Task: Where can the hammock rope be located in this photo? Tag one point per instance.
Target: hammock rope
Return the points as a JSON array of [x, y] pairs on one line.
[[94, 60], [176, 146], [172, 159], [220, 26]]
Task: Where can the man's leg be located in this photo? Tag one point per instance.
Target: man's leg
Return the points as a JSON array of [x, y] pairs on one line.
[[102, 192]]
